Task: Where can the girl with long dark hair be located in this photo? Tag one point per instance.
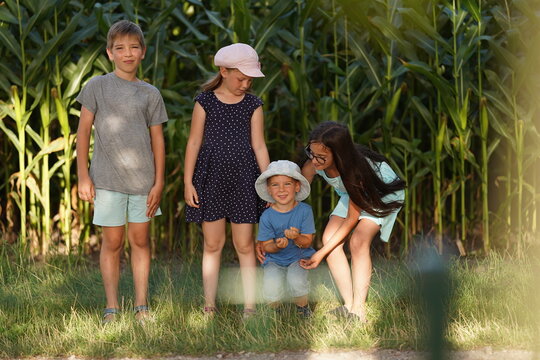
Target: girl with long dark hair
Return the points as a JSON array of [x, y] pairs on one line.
[[371, 195]]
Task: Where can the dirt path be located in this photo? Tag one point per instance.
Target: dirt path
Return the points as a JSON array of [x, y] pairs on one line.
[[479, 354]]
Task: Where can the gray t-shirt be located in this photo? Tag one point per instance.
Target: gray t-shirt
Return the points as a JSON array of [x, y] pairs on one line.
[[123, 110]]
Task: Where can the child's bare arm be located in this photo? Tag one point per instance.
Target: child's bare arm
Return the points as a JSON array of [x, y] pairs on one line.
[[85, 185], [196, 132], [308, 170], [257, 139], [336, 239], [273, 246], [300, 240], [158, 148], [304, 241]]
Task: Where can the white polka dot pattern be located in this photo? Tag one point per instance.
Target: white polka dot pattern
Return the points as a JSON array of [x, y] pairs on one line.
[[226, 167]]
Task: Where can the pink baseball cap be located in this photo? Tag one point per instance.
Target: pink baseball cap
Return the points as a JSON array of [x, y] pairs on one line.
[[239, 56]]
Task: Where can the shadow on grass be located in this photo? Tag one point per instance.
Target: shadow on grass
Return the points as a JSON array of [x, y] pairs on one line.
[[55, 310], [51, 311]]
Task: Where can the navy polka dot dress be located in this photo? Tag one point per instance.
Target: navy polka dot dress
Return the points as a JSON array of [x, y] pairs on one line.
[[226, 167]]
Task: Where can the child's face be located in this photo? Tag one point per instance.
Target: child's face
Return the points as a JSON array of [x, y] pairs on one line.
[[283, 189], [235, 81], [321, 157], [126, 53]]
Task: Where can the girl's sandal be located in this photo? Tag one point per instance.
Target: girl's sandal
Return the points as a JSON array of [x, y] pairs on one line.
[[142, 313], [248, 313], [357, 319], [210, 311], [109, 315], [341, 312]]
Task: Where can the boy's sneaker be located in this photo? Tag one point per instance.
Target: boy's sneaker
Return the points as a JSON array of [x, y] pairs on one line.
[[304, 311]]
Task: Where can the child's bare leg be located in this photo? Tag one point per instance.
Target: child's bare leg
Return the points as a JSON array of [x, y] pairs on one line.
[[140, 259], [361, 264], [301, 300], [243, 243], [338, 263], [109, 262], [214, 239]]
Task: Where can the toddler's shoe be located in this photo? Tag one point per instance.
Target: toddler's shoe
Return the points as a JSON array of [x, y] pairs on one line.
[[304, 311]]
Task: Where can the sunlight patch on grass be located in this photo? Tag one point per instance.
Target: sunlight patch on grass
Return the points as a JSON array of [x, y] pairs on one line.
[[56, 311]]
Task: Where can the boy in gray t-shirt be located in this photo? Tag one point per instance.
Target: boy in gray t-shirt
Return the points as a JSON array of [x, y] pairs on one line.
[[127, 171]]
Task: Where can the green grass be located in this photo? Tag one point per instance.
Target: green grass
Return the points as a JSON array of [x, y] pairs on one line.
[[54, 309]]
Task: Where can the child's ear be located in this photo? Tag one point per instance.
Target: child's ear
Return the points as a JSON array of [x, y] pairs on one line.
[[109, 53], [297, 187], [223, 71]]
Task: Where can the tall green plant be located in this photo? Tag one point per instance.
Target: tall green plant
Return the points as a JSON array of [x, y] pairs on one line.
[[434, 85]]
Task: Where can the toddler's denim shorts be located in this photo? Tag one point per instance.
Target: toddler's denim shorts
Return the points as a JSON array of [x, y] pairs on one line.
[[277, 279], [112, 208]]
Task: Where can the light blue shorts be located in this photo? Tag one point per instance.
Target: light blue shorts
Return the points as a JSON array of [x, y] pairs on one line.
[[386, 223], [112, 208], [277, 279]]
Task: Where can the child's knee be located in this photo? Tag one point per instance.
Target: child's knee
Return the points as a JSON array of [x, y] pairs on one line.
[[360, 242], [139, 240], [112, 244], [245, 249], [212, 247]]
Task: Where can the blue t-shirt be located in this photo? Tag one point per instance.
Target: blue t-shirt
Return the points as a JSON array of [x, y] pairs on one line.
[[273, 224]]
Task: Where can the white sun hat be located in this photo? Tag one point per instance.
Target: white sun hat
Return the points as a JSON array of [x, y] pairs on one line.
[[286, 168]]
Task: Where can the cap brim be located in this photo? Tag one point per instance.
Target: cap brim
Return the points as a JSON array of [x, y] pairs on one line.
[[251, 72]]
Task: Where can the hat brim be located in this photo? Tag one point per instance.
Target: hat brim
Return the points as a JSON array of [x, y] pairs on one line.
[[250, 71], [261, 185]]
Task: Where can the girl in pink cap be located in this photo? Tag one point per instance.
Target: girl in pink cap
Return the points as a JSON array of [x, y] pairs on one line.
[[225, 154]]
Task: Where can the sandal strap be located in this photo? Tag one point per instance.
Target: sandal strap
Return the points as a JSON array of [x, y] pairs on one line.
[[109, 314], [110, 311], [210, 309], [138, 309], [248, 313]]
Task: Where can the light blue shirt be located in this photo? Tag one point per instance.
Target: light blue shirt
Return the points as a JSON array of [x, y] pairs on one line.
[[385, 172]]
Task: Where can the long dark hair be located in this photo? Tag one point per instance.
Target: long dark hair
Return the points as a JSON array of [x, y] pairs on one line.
[[365, 188]]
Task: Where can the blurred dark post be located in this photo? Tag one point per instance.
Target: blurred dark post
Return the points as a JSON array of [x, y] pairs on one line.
[[535, 296], [432, 286]]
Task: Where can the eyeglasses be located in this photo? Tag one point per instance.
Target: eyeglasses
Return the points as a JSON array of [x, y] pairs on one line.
[[320, 159]]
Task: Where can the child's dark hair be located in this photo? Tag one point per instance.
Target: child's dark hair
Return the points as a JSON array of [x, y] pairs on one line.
[[124, 27], [365, 188]]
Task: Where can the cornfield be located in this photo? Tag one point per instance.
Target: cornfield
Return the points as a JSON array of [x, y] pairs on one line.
[[447, 90]]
